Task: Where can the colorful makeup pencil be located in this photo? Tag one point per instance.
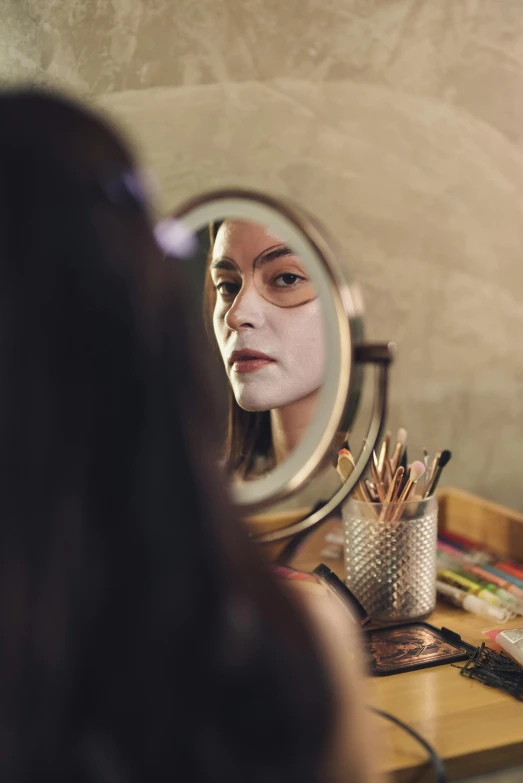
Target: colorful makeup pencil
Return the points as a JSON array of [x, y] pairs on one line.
[[469, 586], [501, 582], [471, 603], [509, 601], [509, 568], [512, 579], [463, 541]]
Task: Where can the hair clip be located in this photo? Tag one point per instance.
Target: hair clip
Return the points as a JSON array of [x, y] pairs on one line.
[[175, 239], [495, 669]]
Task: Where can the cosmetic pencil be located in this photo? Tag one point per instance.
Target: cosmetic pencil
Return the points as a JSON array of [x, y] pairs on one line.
[[455, 579], [474, 555], [509, 601], [509, 568], [458, 557], [471, 603], [463, 541], [510, 562], [460, 553], [477, 552], [497, 572]]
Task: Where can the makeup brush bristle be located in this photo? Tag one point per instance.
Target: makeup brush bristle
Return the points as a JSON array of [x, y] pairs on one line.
[[345, 464], [445, 458], [417, 470], [402, 436]]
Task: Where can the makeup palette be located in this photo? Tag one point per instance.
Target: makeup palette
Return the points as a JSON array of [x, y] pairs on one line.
[[405, 648], [390, 650]]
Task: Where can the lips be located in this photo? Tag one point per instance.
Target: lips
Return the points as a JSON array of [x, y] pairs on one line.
[[248, 360]]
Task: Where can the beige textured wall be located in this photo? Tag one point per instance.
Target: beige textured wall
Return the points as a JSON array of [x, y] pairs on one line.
[[398, 122]]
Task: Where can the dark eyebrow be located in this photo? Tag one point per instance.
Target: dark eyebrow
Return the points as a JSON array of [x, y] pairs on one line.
[[225, 263], [273, 255]]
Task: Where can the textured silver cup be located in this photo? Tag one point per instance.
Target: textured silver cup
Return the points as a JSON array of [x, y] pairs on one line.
[[390, 557]]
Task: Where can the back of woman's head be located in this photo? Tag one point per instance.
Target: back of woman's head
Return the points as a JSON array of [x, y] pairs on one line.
[[139, 634]]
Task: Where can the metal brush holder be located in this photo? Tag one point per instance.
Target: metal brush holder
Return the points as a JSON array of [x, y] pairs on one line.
[[390, 557]]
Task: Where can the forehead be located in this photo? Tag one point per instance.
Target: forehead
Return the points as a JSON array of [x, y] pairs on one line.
[[242, 241]]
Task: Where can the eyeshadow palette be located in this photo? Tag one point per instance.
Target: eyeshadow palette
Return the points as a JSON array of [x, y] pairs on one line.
[[404, 648]]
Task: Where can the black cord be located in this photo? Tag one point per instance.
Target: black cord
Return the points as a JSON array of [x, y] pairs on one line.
[[440, 775]]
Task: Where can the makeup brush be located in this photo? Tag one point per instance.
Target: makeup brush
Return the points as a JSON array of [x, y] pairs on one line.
[[394, 489], [363, 492], [406, 466], [387, 478], [376, 477], [391, 493], [357, 494], [398, 449], [384, 454], [345, 464], [426, 462], [417, 470], [433, 467], [373, 492], [345, 444], [444, 459], [342, 442], [344, 468]]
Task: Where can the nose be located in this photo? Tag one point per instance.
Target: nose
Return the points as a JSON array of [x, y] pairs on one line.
[[247, 311]]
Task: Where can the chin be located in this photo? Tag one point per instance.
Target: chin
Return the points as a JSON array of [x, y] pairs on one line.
[[254, 403], [253, 406], [256, 398]]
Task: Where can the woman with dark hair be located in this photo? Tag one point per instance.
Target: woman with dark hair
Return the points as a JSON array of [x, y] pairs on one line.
[[141, 636], [264, 313]]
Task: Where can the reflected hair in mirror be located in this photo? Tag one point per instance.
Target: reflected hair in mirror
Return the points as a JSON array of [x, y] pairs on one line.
[[248, 432]]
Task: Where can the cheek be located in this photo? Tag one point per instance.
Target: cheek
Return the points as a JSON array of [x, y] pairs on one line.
[[220, 328], [302, 336]]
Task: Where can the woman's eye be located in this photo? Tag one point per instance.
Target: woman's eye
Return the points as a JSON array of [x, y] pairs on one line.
[[227, 289], [287, 279]]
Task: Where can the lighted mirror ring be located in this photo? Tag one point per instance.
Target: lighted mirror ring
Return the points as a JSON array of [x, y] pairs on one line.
[[341, 310]]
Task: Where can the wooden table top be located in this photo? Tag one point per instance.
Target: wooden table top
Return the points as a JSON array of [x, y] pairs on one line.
[[474, 728]]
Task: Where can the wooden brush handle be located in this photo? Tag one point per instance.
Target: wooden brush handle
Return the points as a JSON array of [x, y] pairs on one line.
[[396, 457], [379, 484], [391, 494]]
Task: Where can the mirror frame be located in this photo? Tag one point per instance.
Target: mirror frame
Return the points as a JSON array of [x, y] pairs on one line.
[[343, 311]]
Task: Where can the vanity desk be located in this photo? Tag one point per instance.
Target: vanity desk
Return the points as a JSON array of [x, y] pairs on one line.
[[474, 728]]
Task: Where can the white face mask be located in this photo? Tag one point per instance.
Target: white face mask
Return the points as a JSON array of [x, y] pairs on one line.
[[290, 338]]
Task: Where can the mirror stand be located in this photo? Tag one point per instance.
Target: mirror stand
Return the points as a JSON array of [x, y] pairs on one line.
[[381, 356]]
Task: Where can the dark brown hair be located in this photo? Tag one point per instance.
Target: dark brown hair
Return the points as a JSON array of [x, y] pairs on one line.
[[142, 638], [248, 433]]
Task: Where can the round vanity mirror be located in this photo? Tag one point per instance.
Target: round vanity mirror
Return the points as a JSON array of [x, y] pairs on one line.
[[285, 333]]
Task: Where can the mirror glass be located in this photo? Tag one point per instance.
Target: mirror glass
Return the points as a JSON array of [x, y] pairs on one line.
[[278, 333], [263, 318]]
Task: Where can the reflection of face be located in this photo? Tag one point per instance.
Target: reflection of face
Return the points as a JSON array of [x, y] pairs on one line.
[[281, 345]]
